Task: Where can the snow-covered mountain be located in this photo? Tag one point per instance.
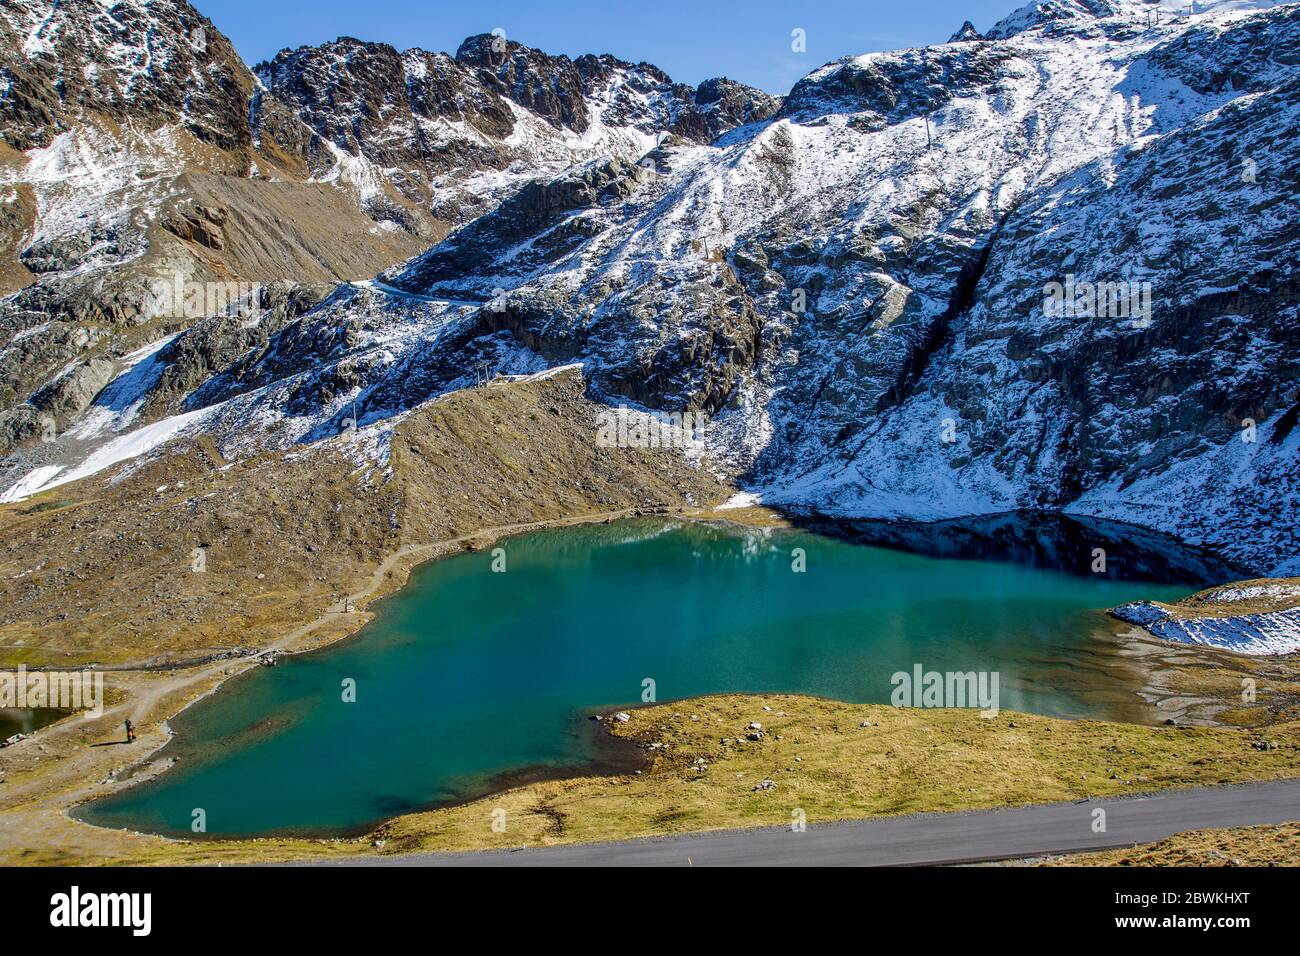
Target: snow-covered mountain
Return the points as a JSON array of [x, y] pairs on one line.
[[461, 132], [883, 289], [138, 149], [455, 134]]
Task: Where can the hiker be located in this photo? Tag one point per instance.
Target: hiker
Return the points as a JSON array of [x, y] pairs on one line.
[[130, 731]]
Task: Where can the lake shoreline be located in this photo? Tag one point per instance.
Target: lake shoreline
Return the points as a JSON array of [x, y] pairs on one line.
[[396, 576], [1116, 700], [395, 572]]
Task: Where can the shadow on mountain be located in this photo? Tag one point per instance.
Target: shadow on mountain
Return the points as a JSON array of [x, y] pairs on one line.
[[1041, 540]]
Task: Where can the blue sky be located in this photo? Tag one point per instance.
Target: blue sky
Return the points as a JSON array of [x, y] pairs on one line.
[[690, 39]]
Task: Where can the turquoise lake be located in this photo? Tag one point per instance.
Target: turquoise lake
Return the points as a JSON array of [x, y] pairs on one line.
[[469, 679]]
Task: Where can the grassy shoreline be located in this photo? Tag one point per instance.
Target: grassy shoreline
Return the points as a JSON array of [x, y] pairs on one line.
[[821, 759]]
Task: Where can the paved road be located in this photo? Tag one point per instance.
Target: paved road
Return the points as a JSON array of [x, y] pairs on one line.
[[921, 839]]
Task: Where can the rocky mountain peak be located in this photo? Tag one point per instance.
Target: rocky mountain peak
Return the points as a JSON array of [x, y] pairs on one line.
[[486, 50], [737, 104], [549, 86], [1112, 16], [565, 92]]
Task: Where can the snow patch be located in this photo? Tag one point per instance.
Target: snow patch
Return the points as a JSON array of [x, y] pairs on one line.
[[1276, 632], [30, 483], [741, 499]]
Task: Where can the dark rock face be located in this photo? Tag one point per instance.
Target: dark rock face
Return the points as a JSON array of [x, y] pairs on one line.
[[150, 62], [70, 250], [200, 224], [75, 389], [456, 266], [1250, 58], [644, 97], [715, 341], [369, 100], [31, 105], [637, 95], [18, 426], [217, 343], [549, 86], [24, 363], [280, 348], [733, 104]]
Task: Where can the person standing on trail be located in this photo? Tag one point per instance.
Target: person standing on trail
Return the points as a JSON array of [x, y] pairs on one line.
[[130, 731]]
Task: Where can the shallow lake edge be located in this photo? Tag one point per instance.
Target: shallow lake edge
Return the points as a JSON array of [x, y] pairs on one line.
[[619, 755]]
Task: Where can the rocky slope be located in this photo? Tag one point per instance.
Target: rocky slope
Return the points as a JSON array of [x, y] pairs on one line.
[[138, 149], [283, 537], [856, 288], [923, 375]]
